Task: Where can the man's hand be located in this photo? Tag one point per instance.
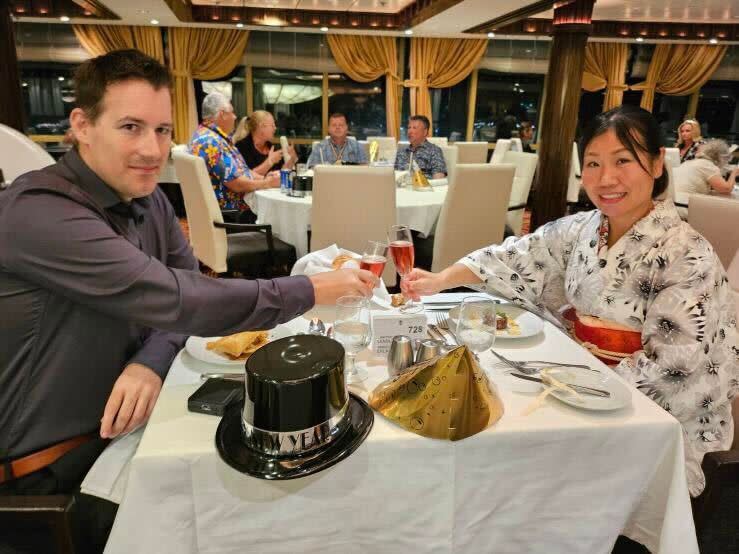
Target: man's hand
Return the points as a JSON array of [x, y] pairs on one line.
[[332, 285], [272, 179], [131, 401]]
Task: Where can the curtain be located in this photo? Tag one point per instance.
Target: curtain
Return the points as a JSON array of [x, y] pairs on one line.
[[366, 58], [605, 68], [440, 63], [101, 39], [197, 53], [679, 70]]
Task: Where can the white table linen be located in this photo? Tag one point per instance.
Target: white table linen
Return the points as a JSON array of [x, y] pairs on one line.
[[558, 480], [290, 216]]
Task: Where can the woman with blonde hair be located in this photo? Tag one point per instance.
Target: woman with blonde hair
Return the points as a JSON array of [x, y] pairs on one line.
[[689, 139], [257, 147]]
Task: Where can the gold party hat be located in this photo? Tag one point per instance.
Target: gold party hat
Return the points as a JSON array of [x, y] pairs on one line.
[[374, 147], [419, 180], [447, 397]]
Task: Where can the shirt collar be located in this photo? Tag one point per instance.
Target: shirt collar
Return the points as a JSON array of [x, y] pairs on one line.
[[103, 194], [419, 147], [216, 129]]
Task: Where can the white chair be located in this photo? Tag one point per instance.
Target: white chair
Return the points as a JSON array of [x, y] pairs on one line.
[[714, 218], [574, 183], [451, 159], [525, 164], [19, 154], [501, 147], [473, 214], [516, 145], [386, 147], [252, 253], [439, 141], [472, 152], [351, 205], [672, 157]]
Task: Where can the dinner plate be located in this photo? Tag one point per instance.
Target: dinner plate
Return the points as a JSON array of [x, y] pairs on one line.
[[196, 347], [620, 393], [529, 324]]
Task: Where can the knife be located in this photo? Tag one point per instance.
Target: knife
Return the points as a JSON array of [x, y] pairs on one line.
[[578, 388]]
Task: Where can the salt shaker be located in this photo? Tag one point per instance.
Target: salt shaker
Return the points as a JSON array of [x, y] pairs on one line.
[[400, 355], [427, 349]]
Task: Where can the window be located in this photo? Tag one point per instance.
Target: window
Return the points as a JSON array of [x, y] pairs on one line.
[[293, 97], [449, 109], [48, 96], [232, 87], [362, 103], [717, 110]]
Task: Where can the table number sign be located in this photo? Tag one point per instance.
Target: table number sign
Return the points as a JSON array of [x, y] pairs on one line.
[[387, 326]]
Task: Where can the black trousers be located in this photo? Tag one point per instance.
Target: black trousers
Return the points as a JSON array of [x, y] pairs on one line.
[[92, 517]]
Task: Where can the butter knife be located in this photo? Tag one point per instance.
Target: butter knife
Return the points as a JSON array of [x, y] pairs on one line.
[[578, 388], [449, 340]]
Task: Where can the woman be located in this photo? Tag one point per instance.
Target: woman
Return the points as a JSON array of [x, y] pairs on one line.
[[690, 139], [526, 134], [630, 264], [257, 147], [704, 173]]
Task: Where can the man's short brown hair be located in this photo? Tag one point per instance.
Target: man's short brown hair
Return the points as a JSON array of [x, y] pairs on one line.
[[337, 115], [93, 77]]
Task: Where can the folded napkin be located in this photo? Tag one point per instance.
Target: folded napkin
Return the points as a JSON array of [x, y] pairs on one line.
[[320, 261], [108, 476]]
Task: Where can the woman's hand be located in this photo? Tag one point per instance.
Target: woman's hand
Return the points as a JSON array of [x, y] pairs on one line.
[[274, 156], [421, 283]]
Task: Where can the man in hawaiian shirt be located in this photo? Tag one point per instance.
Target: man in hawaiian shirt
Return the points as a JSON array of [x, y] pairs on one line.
[[232, 180], [338, 148], [428, 157]]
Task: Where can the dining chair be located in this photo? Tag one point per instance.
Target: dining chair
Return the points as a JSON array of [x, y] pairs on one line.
[[439, 141], [714, 217], [451, 159], [474, 212], [251, 251], [19, 154], [386, 147], [574, 182], [352, 205], [501, 147], [525, 164], [672, 157], [472, 152], [41, 514], [516, 145]]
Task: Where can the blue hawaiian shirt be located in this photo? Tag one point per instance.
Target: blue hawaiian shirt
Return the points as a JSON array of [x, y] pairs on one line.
[[224, 162]]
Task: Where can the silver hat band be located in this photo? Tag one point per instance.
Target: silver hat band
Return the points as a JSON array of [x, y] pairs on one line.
[[294, 443]]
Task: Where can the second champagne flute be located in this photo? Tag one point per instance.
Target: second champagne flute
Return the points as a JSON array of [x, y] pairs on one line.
[[374, 257], [400, 243]]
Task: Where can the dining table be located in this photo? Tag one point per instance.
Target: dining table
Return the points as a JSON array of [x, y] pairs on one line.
[[560, 479]]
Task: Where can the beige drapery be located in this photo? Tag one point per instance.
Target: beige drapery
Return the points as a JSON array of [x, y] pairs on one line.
[[440, 63], [101, 39], [196, 53], [679, 70], [366, 58], [605, 68]]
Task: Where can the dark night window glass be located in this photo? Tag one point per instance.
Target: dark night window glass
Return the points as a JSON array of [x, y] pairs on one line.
[[362, 103], [294, 99]]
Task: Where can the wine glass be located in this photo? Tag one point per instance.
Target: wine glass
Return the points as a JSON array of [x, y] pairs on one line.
[[400, 243], [477, 323], [374, 257], [353, 329]]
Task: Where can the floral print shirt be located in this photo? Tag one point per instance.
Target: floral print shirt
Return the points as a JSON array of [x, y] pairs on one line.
[[663, 279], [428, 156], [224, 162], [691, 152]]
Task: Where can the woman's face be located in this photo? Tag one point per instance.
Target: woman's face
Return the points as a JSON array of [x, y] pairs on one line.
[[267, 128], [615, 181], [686, 133]]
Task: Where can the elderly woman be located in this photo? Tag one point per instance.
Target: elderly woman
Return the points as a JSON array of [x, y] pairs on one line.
[[690, 139], [257, 147], [631, 269], [703, 174]]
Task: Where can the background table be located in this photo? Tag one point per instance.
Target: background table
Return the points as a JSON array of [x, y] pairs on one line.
[[290, 216], [560, 480]]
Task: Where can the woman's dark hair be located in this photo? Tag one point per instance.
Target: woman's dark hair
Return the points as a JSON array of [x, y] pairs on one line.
[[636, 129]]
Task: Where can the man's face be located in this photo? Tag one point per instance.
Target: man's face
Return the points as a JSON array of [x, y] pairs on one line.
[[338, 129], [417, 132], [226, 119], [129, 142]]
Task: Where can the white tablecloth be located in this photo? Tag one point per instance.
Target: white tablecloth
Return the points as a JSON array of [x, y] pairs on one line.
[[557, 481], [290, 217]]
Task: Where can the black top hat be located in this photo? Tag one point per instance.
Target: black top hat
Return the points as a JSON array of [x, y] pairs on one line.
[[297, 417]]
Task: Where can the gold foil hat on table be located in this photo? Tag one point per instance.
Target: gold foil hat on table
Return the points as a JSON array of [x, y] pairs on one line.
[[447, 397], [419, 180], [374, 148]]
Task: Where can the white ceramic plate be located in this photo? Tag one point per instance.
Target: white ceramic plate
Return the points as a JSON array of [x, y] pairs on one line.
[[196, 347], [528, 323], [620, 393]]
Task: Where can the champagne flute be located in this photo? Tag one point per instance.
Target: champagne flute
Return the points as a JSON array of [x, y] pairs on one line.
[[477, 323], [374, 257], [353, 329], [401, 248]]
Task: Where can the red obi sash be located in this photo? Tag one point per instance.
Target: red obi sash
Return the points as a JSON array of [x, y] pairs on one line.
[[607, 340]]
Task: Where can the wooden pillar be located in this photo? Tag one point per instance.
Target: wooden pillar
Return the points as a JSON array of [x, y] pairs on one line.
[[571, 27], [11, 98], [693, 105], [249, 90], [324, 106], [471, 101], [401, 77]]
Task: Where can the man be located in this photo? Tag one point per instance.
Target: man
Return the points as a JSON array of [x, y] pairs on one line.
[[428, 157], [526, 134], [232, 180], [339, 148], [99, 288]]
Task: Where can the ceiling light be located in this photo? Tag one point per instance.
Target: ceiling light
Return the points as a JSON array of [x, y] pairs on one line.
[[64, 18], [240, 25], [713, 41], [324, 29], [639, 39], [25, 84], [516, 85], [408, 31], [60, 78], [154, 22], [491, 35]]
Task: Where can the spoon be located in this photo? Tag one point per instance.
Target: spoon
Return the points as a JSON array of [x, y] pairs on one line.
[[316, 327]]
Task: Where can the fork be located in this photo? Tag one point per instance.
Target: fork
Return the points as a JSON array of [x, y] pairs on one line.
[[442, 321], [525, 366]]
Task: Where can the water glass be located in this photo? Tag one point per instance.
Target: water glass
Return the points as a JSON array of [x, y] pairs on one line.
[[477, 323], [300, 169], [353, 329]]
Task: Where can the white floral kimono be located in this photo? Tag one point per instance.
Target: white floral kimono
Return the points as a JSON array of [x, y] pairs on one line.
[[661, 279]]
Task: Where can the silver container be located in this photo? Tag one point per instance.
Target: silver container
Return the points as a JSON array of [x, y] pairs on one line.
[[400, 355], [427, 349]]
